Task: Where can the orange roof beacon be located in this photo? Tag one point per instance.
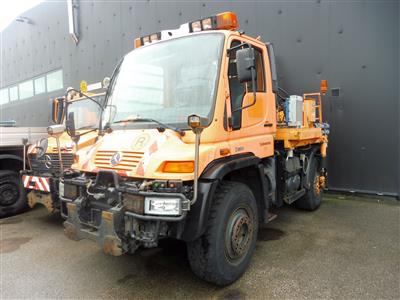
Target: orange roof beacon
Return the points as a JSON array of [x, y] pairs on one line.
[[197, 143]]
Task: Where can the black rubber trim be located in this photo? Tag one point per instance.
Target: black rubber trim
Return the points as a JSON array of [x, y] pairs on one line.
[[220, 167], [274, 74], [195, 223]]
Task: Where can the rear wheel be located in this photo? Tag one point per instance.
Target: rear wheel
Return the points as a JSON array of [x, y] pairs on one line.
[[312, 199], [223, 253], [12, 194]]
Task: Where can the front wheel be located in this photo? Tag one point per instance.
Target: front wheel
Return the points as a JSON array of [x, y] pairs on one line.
[[222, 254], [12, 194]]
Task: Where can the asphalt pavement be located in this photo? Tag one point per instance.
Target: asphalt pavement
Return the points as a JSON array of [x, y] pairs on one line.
[[349, 248]]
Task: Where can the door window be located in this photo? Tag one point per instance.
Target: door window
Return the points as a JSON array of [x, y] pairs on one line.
[[238, 90]]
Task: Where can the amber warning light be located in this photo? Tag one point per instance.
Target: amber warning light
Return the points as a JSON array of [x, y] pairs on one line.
[[226, 20], [323, 86]]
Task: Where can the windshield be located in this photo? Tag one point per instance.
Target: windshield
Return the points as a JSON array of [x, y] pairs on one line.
[[168, 81], [86, 112]]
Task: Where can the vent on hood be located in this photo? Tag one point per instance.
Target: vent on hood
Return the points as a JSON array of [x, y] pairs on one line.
[[128, 162]]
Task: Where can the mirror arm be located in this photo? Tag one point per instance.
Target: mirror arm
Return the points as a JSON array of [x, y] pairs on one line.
[[253, 82], [89, 131], [236, 47], [86, 96]]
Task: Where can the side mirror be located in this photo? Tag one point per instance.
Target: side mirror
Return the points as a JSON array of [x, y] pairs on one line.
[[70, 124], [245, 64], [58, 110]]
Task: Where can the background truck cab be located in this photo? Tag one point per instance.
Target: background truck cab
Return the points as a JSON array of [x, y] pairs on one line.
[[42, 179]]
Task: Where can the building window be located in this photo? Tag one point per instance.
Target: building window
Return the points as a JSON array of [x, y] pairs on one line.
[[26, 89], [13, 92], [40, 85], [4, 96], [54, 81]]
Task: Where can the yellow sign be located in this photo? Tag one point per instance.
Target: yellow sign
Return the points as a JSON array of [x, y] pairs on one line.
[[83, 86]]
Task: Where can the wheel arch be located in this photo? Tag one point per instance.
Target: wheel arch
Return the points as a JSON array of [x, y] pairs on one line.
[[11, 162], [245, 168]]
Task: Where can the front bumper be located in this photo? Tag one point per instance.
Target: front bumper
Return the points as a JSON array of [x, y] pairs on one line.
[[112, 222]]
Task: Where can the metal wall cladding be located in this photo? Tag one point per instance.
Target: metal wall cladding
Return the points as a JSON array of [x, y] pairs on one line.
[[353, 44]]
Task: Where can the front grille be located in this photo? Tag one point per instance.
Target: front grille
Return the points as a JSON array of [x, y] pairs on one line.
[[50, 163], [129, 161]]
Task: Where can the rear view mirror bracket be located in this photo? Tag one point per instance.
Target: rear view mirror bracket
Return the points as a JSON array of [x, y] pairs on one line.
[[246, 71]]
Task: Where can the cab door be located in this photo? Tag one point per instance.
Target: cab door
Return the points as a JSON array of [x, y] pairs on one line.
[[251, 128]]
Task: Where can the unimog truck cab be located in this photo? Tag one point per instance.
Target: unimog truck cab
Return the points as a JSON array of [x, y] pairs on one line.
[[49, 157], [197, 144]]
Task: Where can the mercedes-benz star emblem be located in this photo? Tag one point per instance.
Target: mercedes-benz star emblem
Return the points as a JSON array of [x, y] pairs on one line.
[[116, 158], [47, 161]]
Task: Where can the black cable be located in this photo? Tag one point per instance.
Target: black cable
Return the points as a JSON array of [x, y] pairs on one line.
[[284, 91]]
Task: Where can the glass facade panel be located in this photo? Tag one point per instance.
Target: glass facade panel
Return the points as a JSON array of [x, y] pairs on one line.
[[4, 96], [54, 81], [26, 89], [13, 92], [40, 85]]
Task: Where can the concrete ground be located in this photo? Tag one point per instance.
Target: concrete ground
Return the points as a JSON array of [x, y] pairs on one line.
[[349, 248]]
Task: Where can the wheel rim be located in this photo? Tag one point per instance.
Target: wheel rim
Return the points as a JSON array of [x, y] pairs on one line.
[[9, 194], [238, 235], [319, 183]]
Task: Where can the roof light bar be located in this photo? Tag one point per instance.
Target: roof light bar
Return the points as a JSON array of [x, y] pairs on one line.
[[226, 20], [147, 39], [223, 21]]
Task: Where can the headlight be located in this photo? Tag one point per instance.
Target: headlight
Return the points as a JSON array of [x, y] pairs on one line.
[[162, 206], [133, 203]]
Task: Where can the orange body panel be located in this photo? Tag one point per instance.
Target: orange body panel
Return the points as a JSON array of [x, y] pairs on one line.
[[299, 137]]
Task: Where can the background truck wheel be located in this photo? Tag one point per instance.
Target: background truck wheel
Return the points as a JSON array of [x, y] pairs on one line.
[[312, 199], [12, 194], [223, 253]]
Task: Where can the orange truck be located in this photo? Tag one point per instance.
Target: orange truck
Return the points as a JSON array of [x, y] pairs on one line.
[[198, 143], [47, 161]]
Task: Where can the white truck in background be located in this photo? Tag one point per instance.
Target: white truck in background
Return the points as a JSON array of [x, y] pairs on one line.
[[13, 144]]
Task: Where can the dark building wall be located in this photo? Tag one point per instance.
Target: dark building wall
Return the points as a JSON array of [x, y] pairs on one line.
[[354, 44]]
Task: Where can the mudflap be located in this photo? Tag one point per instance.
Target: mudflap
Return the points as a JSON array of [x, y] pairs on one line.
[[41, 198], [104, 235]]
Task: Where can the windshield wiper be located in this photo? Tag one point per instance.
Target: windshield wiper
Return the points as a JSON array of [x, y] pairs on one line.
[[163, 126]]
